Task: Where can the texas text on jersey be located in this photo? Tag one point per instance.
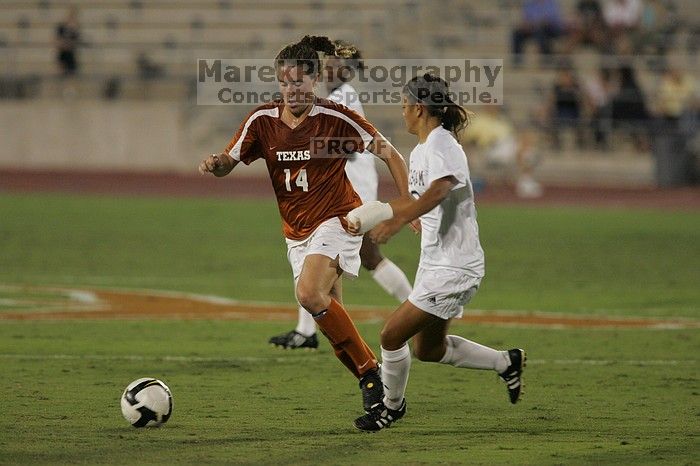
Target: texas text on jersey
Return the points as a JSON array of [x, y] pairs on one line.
[[310, 189]]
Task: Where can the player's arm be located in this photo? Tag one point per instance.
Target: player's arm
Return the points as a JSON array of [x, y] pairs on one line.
[[409, 209], [218, 164], [383, 149], [391, 217], [243, 147], [406, 210]]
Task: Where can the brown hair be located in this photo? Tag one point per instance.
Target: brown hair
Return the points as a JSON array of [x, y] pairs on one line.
[[433, 92], [305, 53]]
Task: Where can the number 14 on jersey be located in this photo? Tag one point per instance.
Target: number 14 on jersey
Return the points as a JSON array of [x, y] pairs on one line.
[[301, 182]]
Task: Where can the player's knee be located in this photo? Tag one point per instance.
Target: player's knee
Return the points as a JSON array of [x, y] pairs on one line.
[[309, 298], [389, 340]]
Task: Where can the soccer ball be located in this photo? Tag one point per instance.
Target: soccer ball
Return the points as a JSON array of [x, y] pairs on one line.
[[147, 402]]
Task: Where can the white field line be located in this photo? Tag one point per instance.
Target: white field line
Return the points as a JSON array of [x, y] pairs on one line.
[[173, 358]]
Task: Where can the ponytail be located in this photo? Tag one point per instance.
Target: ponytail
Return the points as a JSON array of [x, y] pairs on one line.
[[455, 117], [433, 93], [305, 53], [319, 44]]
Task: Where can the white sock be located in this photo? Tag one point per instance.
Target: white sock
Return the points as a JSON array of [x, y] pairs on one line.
[[306, 325], [390, 277], [395, 367], [464, 353]]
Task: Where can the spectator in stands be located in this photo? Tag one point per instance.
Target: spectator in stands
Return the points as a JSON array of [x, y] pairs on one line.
[[147, 68], [622, 17], [588, 27], [542, 21], [67, 41], [495, 138], [676, 96], [659, 23], [629, 109], [563, 109], [675, 127], [597, 95]]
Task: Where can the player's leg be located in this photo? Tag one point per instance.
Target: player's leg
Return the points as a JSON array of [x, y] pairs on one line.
[[405, 322], [337, 294], [319, 277], [443, 293], [433, 344], [387, 274], [304, 334], [306, 325]]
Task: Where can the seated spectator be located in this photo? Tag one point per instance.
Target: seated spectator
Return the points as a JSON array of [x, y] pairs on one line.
[[675, 128], [622, 17], [658, 26], [597, 95], [542, 21], [495, 138], [588, 27], [563, 108], [676, 95], [629, 109]]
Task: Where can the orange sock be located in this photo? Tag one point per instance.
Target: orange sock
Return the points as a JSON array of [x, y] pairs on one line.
[[336, 325], [345, 359]]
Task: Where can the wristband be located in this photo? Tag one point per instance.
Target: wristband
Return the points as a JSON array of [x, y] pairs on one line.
[[370, 214]]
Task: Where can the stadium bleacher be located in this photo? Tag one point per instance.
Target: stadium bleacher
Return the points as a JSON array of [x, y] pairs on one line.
[[172, 34]]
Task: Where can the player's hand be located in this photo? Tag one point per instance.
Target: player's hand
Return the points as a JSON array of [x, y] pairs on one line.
[[385, 230], [353, 228], [415, 226], [216, 164]]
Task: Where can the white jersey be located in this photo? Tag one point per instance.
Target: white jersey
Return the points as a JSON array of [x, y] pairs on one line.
[[360, 168], [450, 234]]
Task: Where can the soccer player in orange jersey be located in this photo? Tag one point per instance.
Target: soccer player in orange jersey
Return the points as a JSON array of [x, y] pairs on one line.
[[362, 173], [314, 194]]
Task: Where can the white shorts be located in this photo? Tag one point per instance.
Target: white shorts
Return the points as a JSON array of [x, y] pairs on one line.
[[362, 173], [443, 292], [331, 240]]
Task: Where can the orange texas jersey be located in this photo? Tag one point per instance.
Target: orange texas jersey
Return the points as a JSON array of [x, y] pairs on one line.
[[307, 163]]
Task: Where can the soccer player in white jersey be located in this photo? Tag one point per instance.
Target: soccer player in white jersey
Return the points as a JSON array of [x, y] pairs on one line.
[[451, 262], [362, 172]]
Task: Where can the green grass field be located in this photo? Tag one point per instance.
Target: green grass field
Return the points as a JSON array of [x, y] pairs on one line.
[[593, 396]]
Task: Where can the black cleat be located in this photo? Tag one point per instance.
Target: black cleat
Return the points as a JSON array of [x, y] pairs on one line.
[[513, 376], [295, 340], [372, 390], [379, 417]]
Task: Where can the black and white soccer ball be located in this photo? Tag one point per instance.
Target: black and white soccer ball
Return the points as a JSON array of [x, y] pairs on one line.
[[147, 402]]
